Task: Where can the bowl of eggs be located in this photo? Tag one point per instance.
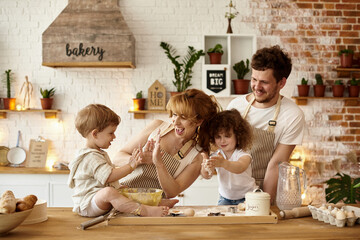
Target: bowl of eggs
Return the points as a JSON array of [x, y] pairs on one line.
[[147, 196]]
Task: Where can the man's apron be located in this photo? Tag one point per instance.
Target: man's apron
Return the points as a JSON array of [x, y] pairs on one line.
[[145, 176], [263, 145]]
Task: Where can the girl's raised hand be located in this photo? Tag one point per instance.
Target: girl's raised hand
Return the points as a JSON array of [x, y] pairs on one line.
[[217, 160]]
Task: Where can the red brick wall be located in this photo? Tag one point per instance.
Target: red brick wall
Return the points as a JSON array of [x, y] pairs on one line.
[[313, 31]]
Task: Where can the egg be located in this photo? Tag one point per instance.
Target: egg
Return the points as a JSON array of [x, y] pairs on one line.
[[334, 211], [189, 212], [350, 214], [340, 215]]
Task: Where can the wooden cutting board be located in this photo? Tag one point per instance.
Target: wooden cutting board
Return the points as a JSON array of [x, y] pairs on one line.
[[200, 217]]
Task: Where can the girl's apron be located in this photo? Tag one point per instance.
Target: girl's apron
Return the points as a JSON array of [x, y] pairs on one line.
[[263, 145], [145, 176]]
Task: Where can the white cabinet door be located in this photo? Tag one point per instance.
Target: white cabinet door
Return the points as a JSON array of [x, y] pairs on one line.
[[60, 193], [201, 192]]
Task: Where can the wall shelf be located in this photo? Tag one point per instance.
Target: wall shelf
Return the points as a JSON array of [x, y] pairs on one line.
[[140, 114], [51, 113], [347, 72], [303, 100]]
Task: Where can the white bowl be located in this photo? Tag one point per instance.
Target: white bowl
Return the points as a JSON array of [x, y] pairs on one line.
[[12, 220], [39, 213]]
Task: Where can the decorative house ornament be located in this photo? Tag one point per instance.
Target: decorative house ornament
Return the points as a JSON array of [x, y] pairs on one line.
[[90, 33], [156, 96]]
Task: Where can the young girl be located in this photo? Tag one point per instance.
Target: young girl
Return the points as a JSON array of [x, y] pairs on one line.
[[232, 135]]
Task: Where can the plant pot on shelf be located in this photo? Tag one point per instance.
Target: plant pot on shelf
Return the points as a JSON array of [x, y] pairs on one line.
[[241, 86], [303, 90], [215, 58], [338, 90], [319, 90], [9, 103], [139, 103], [346, 60], [354, 91], [46, 103]]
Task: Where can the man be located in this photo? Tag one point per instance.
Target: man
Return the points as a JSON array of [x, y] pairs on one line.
[[277, 122]]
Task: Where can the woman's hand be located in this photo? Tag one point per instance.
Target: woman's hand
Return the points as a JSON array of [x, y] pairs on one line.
[[206, 170], [157, 154], [146, 152]]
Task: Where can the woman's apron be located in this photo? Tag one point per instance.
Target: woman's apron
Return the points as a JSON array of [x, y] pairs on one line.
[[263, 145], [145, 176]]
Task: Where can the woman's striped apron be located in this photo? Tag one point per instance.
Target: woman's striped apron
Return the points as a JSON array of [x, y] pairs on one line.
[[145, 176], [263, 145]]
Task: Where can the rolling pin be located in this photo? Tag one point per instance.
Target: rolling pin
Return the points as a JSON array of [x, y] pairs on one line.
[[295, 213]]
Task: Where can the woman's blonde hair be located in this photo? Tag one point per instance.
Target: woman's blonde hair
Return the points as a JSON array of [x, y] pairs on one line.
[[195, 105], [95, 116]]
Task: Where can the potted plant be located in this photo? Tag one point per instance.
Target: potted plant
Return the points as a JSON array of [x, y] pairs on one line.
[[230, 15], [338, 88], [354, 88], [183, 70], [215, 54], [343, 188], [346, 58], [139, 101], [241, 85], [47, 100], [303, 88], [319, 87], [9, 102]]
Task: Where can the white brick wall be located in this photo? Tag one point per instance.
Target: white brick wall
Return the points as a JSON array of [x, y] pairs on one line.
[[180, 23]]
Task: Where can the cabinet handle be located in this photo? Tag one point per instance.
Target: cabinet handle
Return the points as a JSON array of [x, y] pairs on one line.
[[181, 195]]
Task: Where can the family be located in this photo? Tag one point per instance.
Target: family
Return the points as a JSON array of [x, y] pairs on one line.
[[243, 144]]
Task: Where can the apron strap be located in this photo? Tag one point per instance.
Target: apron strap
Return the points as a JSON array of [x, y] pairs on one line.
[[181, 153], [271, 123]]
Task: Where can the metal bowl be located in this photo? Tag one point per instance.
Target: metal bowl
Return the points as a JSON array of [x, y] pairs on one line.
[[147, 196]]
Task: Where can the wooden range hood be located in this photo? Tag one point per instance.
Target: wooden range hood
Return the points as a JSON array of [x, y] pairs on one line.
[[89, 33]]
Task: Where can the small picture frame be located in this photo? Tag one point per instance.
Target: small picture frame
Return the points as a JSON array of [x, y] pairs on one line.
[[38, 150]]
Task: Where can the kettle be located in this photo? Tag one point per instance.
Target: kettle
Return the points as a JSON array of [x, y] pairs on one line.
[[288, 194]]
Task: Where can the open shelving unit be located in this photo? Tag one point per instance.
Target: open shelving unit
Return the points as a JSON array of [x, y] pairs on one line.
[[51, 113], [140, 114]]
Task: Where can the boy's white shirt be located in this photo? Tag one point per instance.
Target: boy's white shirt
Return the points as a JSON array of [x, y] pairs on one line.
[[88, 174], [234, 186]]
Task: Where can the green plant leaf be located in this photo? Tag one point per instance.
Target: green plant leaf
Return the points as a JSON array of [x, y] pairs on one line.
[[342, 188]]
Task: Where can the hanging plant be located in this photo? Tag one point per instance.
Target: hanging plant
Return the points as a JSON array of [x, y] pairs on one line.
[[343, 188]]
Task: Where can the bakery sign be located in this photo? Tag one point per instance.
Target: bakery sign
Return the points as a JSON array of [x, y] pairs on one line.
[[216, 80], [156, 96]]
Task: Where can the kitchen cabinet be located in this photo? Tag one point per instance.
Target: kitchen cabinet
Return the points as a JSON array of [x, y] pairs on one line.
[[46, 185], [216, 78], [201, 192]]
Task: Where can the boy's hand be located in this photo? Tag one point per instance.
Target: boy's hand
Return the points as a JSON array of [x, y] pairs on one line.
[[146, 152], [216, 161], [135, 158]]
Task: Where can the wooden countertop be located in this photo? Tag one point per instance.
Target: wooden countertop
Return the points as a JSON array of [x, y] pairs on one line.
[[25, 170], [63, 224]]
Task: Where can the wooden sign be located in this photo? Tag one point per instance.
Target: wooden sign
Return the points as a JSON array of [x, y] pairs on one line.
[[216, 80], [38, 152], [157, 96]]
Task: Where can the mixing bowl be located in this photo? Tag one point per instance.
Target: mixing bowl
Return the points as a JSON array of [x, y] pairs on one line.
[[147, 196]]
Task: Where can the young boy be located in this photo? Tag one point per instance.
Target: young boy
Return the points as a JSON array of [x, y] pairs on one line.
[[93, 176]]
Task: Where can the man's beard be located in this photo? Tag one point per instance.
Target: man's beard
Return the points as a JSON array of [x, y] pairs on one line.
[[266, 100]]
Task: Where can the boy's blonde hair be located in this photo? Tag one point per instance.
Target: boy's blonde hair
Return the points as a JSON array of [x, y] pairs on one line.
[[95, 116]]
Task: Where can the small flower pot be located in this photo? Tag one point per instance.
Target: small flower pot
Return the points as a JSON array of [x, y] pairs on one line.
[[354, 91], [241, 86], [46, 103], [346, 60], [338, 90], [303, 90], [9, 103], [215, 58], [139, 103], [319, 90]]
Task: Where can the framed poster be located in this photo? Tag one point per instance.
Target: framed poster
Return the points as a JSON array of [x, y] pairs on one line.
[[37, 153], [216, 80]]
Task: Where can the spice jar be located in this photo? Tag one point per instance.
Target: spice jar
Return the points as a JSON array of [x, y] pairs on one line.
[[257, 203]]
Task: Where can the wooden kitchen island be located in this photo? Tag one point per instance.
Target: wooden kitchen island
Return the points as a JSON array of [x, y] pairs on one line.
[[62, 223]]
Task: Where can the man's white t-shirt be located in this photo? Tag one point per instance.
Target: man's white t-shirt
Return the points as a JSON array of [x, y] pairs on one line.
[[289, 129], [234, 186]]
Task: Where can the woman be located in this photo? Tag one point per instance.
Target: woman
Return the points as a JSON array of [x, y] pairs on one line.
[[182, 140]]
